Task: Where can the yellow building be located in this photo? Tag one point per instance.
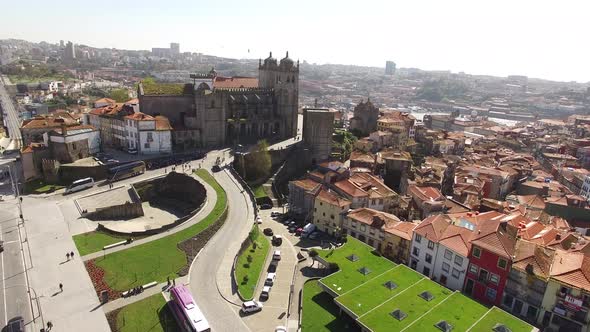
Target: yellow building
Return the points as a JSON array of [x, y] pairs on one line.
[[567, 298], [329, 208]]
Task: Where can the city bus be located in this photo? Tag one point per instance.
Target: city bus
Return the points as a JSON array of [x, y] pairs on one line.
[[125, 171], [185, 310]]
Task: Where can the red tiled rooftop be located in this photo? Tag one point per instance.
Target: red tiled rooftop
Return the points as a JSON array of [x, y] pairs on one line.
[[221, 82]]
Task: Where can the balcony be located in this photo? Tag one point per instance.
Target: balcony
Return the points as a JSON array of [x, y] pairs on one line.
[[585, 302]]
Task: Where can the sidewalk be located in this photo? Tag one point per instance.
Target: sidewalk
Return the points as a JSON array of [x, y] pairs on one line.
[[123, 301], [204, 212], [74, 309]]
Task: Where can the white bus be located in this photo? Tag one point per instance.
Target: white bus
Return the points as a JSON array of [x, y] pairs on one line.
[[80, 185]]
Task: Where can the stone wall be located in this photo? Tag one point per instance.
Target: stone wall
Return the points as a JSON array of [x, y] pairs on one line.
[[117, 212], [172, 107]]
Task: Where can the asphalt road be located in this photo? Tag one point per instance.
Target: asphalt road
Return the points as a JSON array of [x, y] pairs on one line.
[[203, 283], [10, 115], [14, 299]]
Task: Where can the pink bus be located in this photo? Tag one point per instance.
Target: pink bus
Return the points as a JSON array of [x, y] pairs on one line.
[[185, 310]]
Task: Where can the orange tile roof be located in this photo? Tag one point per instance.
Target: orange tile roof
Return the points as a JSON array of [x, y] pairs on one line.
[[306, 184], [331, 197], [105, 100], [373, 217], [140, 117], [457, 239], [50, 121], [162, 123], [495, 236], [426, 193], [433, 227], [221, 82], [529, 256], [572, 268], [532, 201], [403, 229]]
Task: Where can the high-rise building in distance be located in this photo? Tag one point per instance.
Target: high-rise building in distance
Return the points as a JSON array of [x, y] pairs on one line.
[[70, 51], [389, 67]]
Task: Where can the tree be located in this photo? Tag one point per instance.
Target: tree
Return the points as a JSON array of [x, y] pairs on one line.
[[119, 95], [313, 254], [259, 162]]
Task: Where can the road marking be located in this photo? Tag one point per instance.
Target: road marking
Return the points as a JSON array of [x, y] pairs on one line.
[[3, 283]]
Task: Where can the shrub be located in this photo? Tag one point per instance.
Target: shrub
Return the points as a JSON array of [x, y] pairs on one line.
[[249, 258], [245, 279], [333, 266], [313, 253], [246, 265]]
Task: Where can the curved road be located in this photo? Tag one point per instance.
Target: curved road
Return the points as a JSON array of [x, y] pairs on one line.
[[217, 257]]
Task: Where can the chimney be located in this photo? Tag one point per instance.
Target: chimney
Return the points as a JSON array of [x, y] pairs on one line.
[[64, 129]]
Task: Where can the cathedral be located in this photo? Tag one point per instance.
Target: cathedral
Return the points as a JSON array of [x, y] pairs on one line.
[[215, 111]]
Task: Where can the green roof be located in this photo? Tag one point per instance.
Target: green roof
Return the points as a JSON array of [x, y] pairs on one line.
[[166, 89], [368, 299]]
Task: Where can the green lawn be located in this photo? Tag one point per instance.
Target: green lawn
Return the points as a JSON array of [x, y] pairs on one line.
[[40, 187], [155, 260], [409, 302], [495, 316], [320, 313], [373, 293], [258, 255], [458, 310], [150, 314], [349, 277], [259, 191], [90, 242]]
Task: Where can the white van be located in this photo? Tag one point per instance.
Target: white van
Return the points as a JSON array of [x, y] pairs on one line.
[[80, 185]]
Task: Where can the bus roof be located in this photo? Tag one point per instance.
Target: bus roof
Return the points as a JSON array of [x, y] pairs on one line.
[[126, 166], [184, 296]]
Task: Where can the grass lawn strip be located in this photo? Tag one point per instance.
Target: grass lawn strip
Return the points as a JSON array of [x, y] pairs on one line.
[[259, 191], [150, 314], [40, 187], [255, 266], [409, 302], [348, 277], [88, 243], [158, 259], [320, 313], [373, 293], [458, 310], [495, 316]]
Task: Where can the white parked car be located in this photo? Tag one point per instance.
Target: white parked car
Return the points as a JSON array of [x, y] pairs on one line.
[[270, 279], [265, 292], [280, 329], [251, 306], [258, 220]]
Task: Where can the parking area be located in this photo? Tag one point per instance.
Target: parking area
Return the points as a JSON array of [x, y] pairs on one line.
[[274, 312]]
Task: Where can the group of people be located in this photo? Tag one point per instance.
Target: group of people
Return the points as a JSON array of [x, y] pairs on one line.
[[69, 255]]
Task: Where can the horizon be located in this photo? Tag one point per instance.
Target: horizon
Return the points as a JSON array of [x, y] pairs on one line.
[[500, 38]]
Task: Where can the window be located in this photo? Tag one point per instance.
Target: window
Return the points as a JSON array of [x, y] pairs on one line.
[[494, 279], [483, 275], [426, 271], [456, 273], [502, 263], [146, 145], [373, 201], [416, 251], [508, 299], [150, 137], [418, 238], [430, 244], [491, 294], [458, 260], [446, 267], [448, 254], [331, 216], [428, 258], [353, 223], [321, 203], [315, 209], [363, 228], [531, 313], [323, 214], [476, 252]]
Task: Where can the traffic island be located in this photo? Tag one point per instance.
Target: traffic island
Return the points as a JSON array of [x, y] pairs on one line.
[[249, 263], [161, 258]]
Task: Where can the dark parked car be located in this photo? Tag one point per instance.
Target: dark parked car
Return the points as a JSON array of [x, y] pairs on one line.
[[268, 232], [215, 168], [265, 206]]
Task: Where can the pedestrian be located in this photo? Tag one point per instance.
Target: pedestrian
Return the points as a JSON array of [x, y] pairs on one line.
[[67, 255], [173, 282], [168, 279], [72, 254], [61, 287]]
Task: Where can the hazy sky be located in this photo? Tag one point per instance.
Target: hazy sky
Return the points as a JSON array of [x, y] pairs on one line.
[[546, 39]]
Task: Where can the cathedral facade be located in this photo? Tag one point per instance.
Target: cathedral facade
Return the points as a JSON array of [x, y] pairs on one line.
[[216, 111]]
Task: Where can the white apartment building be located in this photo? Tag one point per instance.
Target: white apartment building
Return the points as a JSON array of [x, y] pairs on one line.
[[148, 135]]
